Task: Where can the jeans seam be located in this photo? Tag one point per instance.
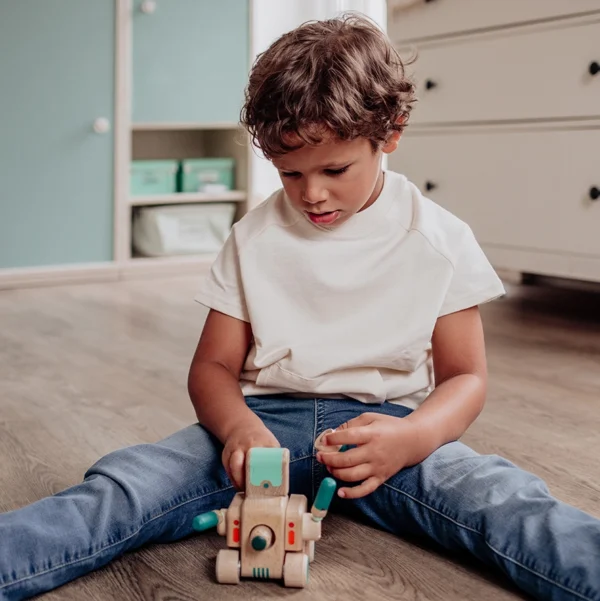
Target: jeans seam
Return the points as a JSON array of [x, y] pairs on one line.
[[301, 458], [313, 467], [319, 423], [494, 550], [122, 540]]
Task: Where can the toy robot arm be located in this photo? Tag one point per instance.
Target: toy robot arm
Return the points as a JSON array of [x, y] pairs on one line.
[[311, 522], [323, 499], [210, 519]]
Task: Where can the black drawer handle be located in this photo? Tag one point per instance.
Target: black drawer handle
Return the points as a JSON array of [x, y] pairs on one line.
[[594, 68], [594, 193], [430, 84], [429, 186]]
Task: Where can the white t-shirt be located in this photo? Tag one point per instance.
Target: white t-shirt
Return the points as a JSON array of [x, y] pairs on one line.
[[348, 311]]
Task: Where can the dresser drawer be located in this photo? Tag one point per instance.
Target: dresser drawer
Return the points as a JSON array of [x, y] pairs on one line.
[[410, 20], [535, 75], [522, 189]]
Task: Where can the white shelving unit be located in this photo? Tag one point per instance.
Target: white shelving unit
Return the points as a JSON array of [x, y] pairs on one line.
[[166, 140], [151, 141], [520, 169]]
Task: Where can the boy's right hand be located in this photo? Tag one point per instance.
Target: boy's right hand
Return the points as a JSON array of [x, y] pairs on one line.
[[242, 438]]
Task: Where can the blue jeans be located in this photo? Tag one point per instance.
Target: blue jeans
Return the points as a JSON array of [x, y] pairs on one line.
[[150, 493]]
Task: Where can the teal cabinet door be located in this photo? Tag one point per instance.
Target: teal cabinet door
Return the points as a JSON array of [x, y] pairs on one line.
[[56, 173], [190, 61]]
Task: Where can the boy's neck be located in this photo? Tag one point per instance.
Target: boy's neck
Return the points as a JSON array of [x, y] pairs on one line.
[[376, 191]]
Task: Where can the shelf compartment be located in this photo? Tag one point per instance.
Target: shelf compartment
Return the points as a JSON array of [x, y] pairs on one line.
[[159, 144]]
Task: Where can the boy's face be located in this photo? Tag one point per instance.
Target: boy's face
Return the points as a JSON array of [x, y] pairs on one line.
[[334, 180]]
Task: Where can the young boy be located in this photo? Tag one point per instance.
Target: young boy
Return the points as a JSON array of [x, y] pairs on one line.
[[346, 300]]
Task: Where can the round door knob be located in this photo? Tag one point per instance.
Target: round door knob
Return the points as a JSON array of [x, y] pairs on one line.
[[430, 84], [148, 7], [429, 186], [101, 125], [594, 193], [594, 68]]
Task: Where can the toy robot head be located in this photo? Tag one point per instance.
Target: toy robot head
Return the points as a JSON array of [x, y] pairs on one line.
[[267, 472]]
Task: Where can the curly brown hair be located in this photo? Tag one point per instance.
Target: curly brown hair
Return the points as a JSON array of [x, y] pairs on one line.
[[341, 76]]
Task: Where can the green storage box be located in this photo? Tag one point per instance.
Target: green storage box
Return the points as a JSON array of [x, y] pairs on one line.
[[153, 177], [206, 175]]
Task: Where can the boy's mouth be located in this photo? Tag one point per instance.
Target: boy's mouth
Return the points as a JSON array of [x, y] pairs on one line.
[[325, 218]]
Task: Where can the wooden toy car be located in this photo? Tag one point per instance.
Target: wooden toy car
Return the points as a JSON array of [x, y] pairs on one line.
[[270, 535]]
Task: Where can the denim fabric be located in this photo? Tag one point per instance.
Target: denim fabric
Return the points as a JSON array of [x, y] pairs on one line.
[[150, 493]]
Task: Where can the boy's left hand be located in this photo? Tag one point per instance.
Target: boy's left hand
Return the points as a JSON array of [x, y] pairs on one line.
[[385, 445]]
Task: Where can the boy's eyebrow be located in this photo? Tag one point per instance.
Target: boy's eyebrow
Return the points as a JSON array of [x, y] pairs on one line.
[[335, 165]]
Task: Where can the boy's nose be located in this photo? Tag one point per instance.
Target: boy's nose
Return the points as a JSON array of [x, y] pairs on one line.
[[314, 195]]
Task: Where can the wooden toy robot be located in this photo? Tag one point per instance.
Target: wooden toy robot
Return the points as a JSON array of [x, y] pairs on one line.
[[270, 535]]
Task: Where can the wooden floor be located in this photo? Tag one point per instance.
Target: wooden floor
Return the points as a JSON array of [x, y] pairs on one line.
[[87, 369]]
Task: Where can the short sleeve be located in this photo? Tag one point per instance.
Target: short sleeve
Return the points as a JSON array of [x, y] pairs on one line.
[[473, 280], [222, 289]]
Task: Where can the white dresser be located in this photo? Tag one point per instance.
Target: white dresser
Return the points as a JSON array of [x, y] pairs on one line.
[[506, 131]]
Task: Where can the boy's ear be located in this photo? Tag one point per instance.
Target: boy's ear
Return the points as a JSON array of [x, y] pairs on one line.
[[391, 143]]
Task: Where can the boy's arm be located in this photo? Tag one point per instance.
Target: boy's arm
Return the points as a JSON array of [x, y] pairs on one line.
[[213, 381], [460, 381], [214, 389], [387, 444]]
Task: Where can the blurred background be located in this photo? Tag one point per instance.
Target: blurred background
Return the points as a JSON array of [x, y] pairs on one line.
[[506, 132], [121, 152]]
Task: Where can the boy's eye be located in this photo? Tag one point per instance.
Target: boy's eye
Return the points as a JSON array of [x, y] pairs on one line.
[[295, 174], [337, 171]]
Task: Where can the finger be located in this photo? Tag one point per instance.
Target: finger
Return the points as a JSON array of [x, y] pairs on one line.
[[225, 457], [353, 474], [354, 435], [228, 472], [347, 459], [236, 466], [362, 490], [362, 420]]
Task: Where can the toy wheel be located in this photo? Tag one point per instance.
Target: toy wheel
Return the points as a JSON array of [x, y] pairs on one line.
[[295, 570], [228, 566], [309, 549]]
